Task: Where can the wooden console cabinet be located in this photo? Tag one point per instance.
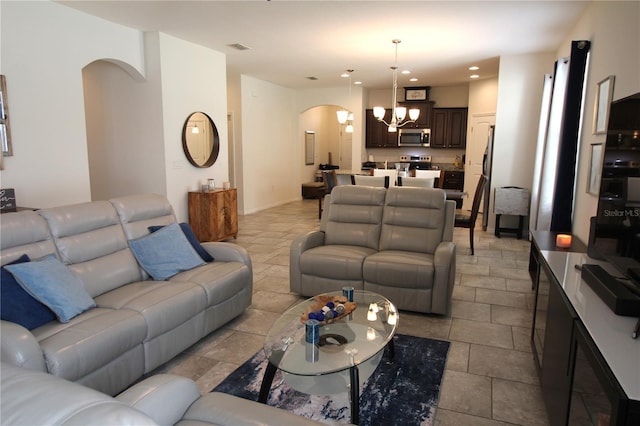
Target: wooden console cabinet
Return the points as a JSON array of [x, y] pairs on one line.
[[213, 215]]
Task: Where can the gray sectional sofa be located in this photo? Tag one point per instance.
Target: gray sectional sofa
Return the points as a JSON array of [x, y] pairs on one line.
[[35, 398], [137, 323], [396, 242]]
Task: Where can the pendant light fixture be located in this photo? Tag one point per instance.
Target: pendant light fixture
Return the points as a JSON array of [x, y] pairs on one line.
[[398, 113]]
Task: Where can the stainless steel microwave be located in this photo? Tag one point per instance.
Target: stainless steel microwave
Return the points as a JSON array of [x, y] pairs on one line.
[[414, 137]]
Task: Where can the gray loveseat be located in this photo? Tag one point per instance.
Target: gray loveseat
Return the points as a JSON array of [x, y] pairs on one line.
[[396, 242], [34, 398], [138, 323]]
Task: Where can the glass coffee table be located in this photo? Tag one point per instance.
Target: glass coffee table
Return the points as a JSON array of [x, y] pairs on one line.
[[353, 344]]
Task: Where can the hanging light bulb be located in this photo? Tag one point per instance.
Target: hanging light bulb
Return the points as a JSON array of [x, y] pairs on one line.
[[342, 116], [195, 129], [349, 128], [398, 113]]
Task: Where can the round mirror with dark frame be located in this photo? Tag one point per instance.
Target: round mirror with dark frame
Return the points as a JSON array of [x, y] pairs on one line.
[[200, 140]]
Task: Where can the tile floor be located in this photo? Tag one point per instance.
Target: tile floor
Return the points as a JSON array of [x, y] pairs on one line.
[[490, 378]]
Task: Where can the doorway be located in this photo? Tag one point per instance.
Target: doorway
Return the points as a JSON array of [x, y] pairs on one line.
[[476, 146]]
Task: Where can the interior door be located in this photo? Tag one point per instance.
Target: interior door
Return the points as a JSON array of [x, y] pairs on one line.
[[476, 145]]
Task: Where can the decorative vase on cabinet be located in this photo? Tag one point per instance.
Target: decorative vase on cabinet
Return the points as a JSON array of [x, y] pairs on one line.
[[213, 215]]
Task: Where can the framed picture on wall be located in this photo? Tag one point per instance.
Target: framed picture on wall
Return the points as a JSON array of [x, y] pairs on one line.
[[595, 170], [604, 96], [309, 147]]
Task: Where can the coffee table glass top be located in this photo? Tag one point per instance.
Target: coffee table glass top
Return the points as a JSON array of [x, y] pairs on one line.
[[344, 343]]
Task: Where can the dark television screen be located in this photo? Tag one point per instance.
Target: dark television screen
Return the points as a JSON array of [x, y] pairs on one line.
[[615, 231]]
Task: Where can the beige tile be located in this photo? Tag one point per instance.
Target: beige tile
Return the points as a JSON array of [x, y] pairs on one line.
[[495, 283], [500, 297], [497, 335], [272, 302], [461, 292], [237, 348], [502, 363], [471, 269], [471, 310], [466, 393], [522, 285], [511, 273], [458, 357], [511, 316], [432, 326], [452, 418], [254, 321], [521, 338], [518, 403]]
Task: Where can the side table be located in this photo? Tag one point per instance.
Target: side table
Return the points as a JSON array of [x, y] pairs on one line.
[[546, 240]]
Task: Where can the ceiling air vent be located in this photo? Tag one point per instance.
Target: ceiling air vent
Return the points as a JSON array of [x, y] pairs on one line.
[[239, 46]]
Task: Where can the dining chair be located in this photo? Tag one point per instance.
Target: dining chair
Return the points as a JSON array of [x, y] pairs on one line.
[[379, 181], [330, 179], [392, 174], [469, 221], [437, 175], [416, 182]]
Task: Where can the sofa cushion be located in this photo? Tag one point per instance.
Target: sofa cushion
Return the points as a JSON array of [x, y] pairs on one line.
[[396, 268], [191, 237], [54, 285], [18, 306], [219, 280], [354, 216], [335, 261], [91, 341], [165, 252]]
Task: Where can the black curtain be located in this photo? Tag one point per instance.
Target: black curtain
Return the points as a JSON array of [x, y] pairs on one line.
[[568, 147]]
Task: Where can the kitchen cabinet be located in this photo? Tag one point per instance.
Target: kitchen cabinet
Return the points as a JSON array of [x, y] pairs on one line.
[[453, 179], [377, 134], [449, 128], [424, 120], [213, 215]]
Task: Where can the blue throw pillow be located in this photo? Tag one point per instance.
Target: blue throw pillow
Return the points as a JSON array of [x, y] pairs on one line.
[[17, 306], [54, 285], [165, 252], [191, 237]]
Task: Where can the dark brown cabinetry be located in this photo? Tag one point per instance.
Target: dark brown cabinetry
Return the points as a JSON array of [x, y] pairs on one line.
[[424, 120], [377, 134], [453, 179], [449, 128], [213, 215]]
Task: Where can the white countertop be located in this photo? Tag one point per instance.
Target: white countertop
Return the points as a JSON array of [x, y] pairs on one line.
[[610, 332]]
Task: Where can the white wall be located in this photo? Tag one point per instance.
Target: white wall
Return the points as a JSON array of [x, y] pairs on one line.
[[614, 31], [50, 165], [193, 78], [270, 152], [44, 48], [517, 117]]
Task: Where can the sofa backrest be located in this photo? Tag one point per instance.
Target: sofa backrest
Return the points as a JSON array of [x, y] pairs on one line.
[[414, 219], [355, 216], [138, 212], [24, 232], [91, 242]]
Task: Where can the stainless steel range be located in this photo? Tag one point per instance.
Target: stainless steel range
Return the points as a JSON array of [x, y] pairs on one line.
[[417, 162]]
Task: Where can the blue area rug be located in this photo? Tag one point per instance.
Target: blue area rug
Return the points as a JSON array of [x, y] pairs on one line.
[[399, 392]]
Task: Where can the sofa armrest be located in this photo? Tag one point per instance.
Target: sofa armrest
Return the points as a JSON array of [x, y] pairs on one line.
[[227, 252], [228, 410], [20, 348], [299, 245], [163, 397], [444, 262]]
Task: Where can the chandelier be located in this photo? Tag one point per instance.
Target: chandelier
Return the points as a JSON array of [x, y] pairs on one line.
[[398, 113]]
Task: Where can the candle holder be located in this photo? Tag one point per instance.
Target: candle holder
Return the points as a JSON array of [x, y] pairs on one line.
[[563, 240]]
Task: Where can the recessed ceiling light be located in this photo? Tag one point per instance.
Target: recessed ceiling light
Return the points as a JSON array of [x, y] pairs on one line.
[[474, 68], [474, 76], [239, 46], [406, 72], [413, 79], [357, 82], [346, 73]]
